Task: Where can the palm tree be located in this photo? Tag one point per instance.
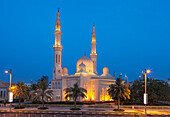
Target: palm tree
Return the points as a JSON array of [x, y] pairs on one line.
[[119, 91], [75, 92], [42, 91], [20, 90]]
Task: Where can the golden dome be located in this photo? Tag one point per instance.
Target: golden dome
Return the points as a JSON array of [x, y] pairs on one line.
[[64, 71], [105, 70]]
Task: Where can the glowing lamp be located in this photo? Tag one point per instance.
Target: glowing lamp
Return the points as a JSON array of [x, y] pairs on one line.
[[148, 71], [6, 71]]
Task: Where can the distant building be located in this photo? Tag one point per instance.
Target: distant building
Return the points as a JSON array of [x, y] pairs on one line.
[[126, 78], [4, 89], [49, 86], [120, 76], [142, 76], [169, 81], [28, 84]]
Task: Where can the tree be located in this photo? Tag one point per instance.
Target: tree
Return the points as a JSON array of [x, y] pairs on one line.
[[75, 92], [20, 90], [42, 92], [156, 90], [137, 91], [119, 91]]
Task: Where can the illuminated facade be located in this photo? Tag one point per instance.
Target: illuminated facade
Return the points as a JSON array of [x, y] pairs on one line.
[[86, 72]]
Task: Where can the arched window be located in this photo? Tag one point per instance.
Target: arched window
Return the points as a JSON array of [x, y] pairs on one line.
[[56, 58], [93, 85], [1, 94], [101, 94], [107, 93], [58, 85], [4, 94], [85, 85], [55, 85], [59, 57]]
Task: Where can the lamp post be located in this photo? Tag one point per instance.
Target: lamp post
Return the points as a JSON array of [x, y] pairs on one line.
[[145, 94], [10, 71]]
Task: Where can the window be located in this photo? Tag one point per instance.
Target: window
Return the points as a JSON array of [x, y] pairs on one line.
[[85, 85], [59, 58], [107, 93], [58, 85], [4, 93], [56, 58], [53, 86], [93, 85], [1, 94], [58, 97]]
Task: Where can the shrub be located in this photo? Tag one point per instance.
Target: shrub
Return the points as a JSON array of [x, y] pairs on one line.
[[43, 108], [69, 103], [118, 110], [75, 109], [17, 100], [37, 102], [17, 107], [88, 103]]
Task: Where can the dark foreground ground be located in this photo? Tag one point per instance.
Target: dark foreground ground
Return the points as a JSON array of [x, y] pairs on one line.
[[23, 114]]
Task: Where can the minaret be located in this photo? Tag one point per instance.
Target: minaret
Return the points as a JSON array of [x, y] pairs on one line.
[[93, 54], [57, 70]]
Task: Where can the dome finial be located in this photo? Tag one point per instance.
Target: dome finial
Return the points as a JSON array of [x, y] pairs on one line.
[[105, 64], [93, 24], [58, 9], [85, 53]]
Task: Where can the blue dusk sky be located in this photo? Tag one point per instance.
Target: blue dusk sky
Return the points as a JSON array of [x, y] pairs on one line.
[[131, 35]]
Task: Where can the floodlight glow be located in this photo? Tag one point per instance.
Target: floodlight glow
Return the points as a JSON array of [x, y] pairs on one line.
[[148, 71]]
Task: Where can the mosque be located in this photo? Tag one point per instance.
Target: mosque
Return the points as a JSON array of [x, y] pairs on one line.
[[86, 72]]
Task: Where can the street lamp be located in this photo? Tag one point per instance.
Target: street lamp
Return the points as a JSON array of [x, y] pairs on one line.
[[145, 94], [10, 94]]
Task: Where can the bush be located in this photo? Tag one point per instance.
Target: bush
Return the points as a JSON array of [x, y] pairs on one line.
[[75, 109], [118, 110], [64, 102], [17, 100], [43, 108], [88, 103], [17, 107], [69, 103], [37, 102]]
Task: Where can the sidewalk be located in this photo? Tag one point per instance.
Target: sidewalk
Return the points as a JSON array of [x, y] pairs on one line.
[[92, 110]]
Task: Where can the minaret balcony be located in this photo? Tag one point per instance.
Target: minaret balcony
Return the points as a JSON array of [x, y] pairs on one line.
[[57, 47]]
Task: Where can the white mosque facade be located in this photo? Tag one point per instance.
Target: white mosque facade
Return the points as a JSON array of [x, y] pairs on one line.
[[86, 72]]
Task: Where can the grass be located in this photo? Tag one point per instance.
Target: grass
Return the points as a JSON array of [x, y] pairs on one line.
[[50, 105], [43, 108], [120, 110], [102, 106], [96, 112], [17, 107], [75, 109]]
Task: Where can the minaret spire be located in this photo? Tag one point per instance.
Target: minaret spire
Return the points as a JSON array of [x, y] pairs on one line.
[[57, 70], [85, 53], [93, 50], [58, 23]]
